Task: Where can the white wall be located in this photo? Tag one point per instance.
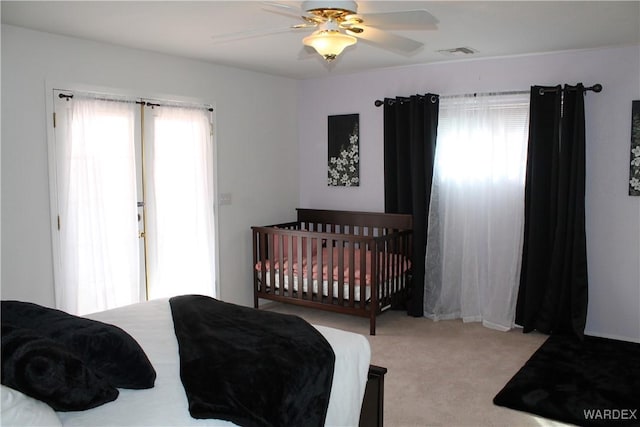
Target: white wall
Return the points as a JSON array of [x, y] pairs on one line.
[[256, 145], [613, 217], [259, 120]]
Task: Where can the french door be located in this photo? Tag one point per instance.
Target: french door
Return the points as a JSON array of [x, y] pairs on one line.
[[133, 201]]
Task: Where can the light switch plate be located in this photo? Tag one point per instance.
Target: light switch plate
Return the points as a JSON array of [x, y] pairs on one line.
[[224, 199]]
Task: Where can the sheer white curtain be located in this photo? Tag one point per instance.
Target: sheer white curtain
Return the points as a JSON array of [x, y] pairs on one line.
[[476, 217], [179, 193], [99, 264]]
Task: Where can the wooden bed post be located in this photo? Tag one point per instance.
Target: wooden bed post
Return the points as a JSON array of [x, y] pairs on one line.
[[372, 412], [254, 233]]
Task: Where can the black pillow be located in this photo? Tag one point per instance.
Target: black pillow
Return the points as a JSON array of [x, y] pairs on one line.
[[45, 370], [105, 349]]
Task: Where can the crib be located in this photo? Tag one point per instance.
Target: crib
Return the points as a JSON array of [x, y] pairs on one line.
[[349, 262]]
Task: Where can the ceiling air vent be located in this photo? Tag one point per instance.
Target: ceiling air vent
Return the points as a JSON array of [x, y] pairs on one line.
[[458, 51]]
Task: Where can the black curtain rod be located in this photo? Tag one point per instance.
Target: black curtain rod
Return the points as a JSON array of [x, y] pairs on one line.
[[148, 104], [404, 98], [595, 88]]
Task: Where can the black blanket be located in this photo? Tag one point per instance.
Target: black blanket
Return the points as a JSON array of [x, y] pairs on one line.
[[72, 363], [594, 382], [250, 367]]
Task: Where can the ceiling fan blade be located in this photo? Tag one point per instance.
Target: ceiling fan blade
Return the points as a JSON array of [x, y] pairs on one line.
[[282, 6], [387, 40], [402, 20], [241, 35], [282, 9]]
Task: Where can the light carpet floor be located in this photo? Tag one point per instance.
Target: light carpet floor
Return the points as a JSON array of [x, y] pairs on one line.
[[442, 373]]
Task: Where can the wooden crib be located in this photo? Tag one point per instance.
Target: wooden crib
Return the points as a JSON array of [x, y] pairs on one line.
[[355, 263]]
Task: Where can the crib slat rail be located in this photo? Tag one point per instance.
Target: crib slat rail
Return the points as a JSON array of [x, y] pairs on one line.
[[348, 262]]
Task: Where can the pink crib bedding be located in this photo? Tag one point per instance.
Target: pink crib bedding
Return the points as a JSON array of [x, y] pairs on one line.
[[393, 262]]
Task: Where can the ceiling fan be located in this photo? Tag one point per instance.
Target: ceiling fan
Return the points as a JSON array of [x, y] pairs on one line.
[[338, 25]]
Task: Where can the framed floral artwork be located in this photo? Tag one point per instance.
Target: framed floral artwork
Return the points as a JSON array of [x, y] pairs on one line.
[[344, 151], [634, 167]]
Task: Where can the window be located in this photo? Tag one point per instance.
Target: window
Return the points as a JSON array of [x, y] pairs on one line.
[[134, 202], [482, 139], [476, 216], [179, 190]]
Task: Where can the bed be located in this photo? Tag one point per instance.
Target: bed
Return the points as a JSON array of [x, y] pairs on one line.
[[151, 325], [349, 262]]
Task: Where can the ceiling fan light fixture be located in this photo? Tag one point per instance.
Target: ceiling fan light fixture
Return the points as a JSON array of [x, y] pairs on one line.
[[329, 43]]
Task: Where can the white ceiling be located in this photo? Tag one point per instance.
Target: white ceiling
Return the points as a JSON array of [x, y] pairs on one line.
[[202, 29]]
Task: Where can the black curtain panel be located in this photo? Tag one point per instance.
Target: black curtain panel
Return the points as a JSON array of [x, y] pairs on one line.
[[410, 126], [540, 201], [553, 294]]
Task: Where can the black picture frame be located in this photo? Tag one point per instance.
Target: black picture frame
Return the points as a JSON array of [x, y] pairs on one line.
[[344, 151], [634, 164]]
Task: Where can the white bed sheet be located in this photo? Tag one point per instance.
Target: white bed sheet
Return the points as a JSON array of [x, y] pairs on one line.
[[165, 404]]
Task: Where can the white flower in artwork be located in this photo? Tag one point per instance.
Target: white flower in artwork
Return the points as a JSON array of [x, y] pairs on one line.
[[636, 151], [635, 183], [635, 161]]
